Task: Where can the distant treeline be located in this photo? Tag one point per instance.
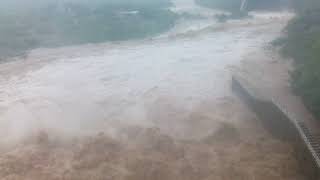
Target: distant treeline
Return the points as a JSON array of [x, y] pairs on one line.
[[77, 22], [302, 6], [302, 43], [234, 5]]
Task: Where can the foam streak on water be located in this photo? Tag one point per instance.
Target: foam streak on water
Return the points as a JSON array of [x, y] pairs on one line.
[[123, 82]]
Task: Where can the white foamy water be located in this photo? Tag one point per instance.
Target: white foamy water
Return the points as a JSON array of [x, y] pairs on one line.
[[126, 82]]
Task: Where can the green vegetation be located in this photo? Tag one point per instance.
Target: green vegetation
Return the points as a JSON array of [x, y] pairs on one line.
[[67, 23], [301, 6], [302, 43], [234, 5]]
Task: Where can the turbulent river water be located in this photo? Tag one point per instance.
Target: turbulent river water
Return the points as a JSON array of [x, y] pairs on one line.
[[159, 108], [151, 82], [135, 82]]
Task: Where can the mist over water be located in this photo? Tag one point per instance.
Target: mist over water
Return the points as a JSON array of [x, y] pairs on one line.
[[147, 83], [154, 108]]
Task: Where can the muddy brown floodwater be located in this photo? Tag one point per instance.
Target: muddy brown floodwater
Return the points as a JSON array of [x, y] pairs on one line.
[[155, 109], [239, 148]]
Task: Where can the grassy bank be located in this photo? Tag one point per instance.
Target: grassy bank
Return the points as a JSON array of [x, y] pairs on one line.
[[302, 43], [68, 23]]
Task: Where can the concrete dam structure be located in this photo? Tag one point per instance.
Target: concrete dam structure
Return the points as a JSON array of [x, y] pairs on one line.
[[283, 125]]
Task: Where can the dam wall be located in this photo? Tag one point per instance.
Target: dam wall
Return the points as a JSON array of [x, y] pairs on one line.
[[282, 125]]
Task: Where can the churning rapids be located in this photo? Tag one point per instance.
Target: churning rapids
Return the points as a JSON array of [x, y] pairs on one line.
[[82, 89], [159, 108]]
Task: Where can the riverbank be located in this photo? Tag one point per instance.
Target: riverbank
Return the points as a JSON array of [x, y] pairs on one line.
[[271, 73], [121, 111], [270, 76], [301, 43]]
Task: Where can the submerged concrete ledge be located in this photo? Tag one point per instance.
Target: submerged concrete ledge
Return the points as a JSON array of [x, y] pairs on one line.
[[282, 125]]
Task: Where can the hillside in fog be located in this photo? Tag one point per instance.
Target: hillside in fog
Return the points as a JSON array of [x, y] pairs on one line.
[[28, 24], [25, 4]]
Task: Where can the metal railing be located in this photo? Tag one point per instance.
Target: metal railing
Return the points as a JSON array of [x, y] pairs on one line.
[[310, 139]]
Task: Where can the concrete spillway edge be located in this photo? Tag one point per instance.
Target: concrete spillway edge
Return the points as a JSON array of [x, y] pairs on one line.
[[283, 125]]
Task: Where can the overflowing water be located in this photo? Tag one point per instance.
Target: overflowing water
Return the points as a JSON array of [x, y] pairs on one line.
[[158, 108], [134, 82]]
